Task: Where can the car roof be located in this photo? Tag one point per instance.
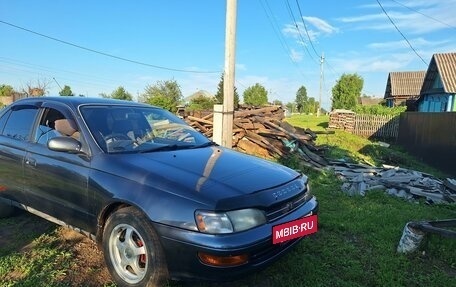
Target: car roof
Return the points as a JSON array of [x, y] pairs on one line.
[[76, 101]]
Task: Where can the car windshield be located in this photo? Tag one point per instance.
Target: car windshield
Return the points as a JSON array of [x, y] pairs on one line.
[[135, 129]]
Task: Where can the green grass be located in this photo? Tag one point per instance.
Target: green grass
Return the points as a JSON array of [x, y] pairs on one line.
[[343, 145], [355, 245], [40, 263]]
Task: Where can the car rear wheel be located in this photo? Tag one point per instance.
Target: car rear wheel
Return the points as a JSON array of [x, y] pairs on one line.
[[132, 250]]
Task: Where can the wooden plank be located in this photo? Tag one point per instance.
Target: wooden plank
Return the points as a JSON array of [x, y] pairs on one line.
[[199, 126], [199, 120], [241, 114], [270, 132], [263, 143]]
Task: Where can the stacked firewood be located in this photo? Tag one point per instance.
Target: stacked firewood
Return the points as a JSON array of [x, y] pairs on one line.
[[342, 119], [262, 132]]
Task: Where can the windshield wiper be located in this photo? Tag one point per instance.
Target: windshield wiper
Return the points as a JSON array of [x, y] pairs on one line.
[[161, 148], [176, 147]]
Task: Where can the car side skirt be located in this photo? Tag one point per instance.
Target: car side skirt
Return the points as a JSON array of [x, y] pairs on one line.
[[48, 217]]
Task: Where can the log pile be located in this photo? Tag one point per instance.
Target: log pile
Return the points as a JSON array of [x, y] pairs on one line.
[[400, 182], [263, 133], [342, 119]]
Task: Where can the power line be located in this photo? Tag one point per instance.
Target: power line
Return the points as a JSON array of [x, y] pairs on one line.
[[290, 11], [427, 16], [54, 70], [276, 30], [310, 40], [108, 55], [403, 36], [307, 32]]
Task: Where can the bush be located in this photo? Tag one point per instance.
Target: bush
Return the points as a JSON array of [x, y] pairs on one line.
[[379, 110]]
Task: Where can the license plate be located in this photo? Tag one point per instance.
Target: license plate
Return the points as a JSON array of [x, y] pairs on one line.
[[294, 229]]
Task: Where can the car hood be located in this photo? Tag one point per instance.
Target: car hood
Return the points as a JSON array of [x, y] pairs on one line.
[[202, 174]]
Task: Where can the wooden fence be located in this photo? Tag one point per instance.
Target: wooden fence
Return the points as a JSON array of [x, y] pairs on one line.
[[375, 126]]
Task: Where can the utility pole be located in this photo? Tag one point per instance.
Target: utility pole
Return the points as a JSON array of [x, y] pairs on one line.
[[58, 84], [322, 59], [228, 84]]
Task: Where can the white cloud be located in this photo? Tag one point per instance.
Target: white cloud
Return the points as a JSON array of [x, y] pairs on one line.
[[378, 63], [315, 27], [296, 56], [416, 18], [321, 25], [397, 45]]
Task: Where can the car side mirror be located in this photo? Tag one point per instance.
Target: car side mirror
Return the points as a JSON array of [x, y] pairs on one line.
[[64, 144]]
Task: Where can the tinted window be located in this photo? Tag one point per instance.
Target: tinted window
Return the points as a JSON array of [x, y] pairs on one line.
[[139, 129], [3, 119], [20, 123]]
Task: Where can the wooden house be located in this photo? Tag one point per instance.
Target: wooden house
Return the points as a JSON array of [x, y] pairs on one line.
[[402, 87], [439, 87]]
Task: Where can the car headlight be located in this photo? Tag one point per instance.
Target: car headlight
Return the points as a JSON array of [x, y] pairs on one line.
[[230, 221]]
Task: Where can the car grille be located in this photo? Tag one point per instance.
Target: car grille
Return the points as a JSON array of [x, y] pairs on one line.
[[283, 208]]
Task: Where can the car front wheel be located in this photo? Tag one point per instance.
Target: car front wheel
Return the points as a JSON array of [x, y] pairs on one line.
[[132, 250]]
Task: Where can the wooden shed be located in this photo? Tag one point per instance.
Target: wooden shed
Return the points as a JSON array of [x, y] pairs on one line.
[[403, 86]]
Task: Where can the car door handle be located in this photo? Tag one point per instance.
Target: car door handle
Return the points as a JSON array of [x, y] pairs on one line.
[[30, 161]]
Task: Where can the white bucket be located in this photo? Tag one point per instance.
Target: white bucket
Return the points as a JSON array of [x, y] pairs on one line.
[[410, 240]]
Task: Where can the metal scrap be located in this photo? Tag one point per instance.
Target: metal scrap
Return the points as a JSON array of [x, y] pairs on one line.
[[396, 181]]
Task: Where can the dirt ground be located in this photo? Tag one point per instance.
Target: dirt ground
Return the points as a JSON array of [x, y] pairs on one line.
[[87, 265]]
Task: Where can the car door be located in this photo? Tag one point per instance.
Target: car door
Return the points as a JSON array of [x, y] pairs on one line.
[[57, 181], [16, 124]]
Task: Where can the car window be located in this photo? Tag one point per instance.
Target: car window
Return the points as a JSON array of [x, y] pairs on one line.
[[53, 123], [20, 123], [139, 129], [3, 119]]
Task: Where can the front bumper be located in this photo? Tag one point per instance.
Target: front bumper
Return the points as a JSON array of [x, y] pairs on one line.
[[182, 246]]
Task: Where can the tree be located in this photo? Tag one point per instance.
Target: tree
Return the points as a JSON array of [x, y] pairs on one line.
[[347, 91], [311, 106], [121, 94], [165, 94], [291, 106], [201, 103], [256, 95], [118, 94], [66, 91], [37, 90], [301, 98], [219, 95], [277, 102], [6, 90]]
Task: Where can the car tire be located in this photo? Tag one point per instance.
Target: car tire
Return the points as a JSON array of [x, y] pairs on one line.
[[7, 210], [132, 250]]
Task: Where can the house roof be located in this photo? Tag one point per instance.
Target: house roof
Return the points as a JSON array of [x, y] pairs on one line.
[[197, 94], [444, 65], [404, 84], [368, 101]]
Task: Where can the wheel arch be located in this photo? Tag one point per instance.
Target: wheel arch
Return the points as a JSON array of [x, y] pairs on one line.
[[105, 214]]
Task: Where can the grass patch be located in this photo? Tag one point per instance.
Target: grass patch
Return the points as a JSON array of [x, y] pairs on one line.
[[355, 245], [43, 264], [343, 145]]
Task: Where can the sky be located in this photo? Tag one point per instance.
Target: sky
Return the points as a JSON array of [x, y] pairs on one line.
[[96, 46]]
